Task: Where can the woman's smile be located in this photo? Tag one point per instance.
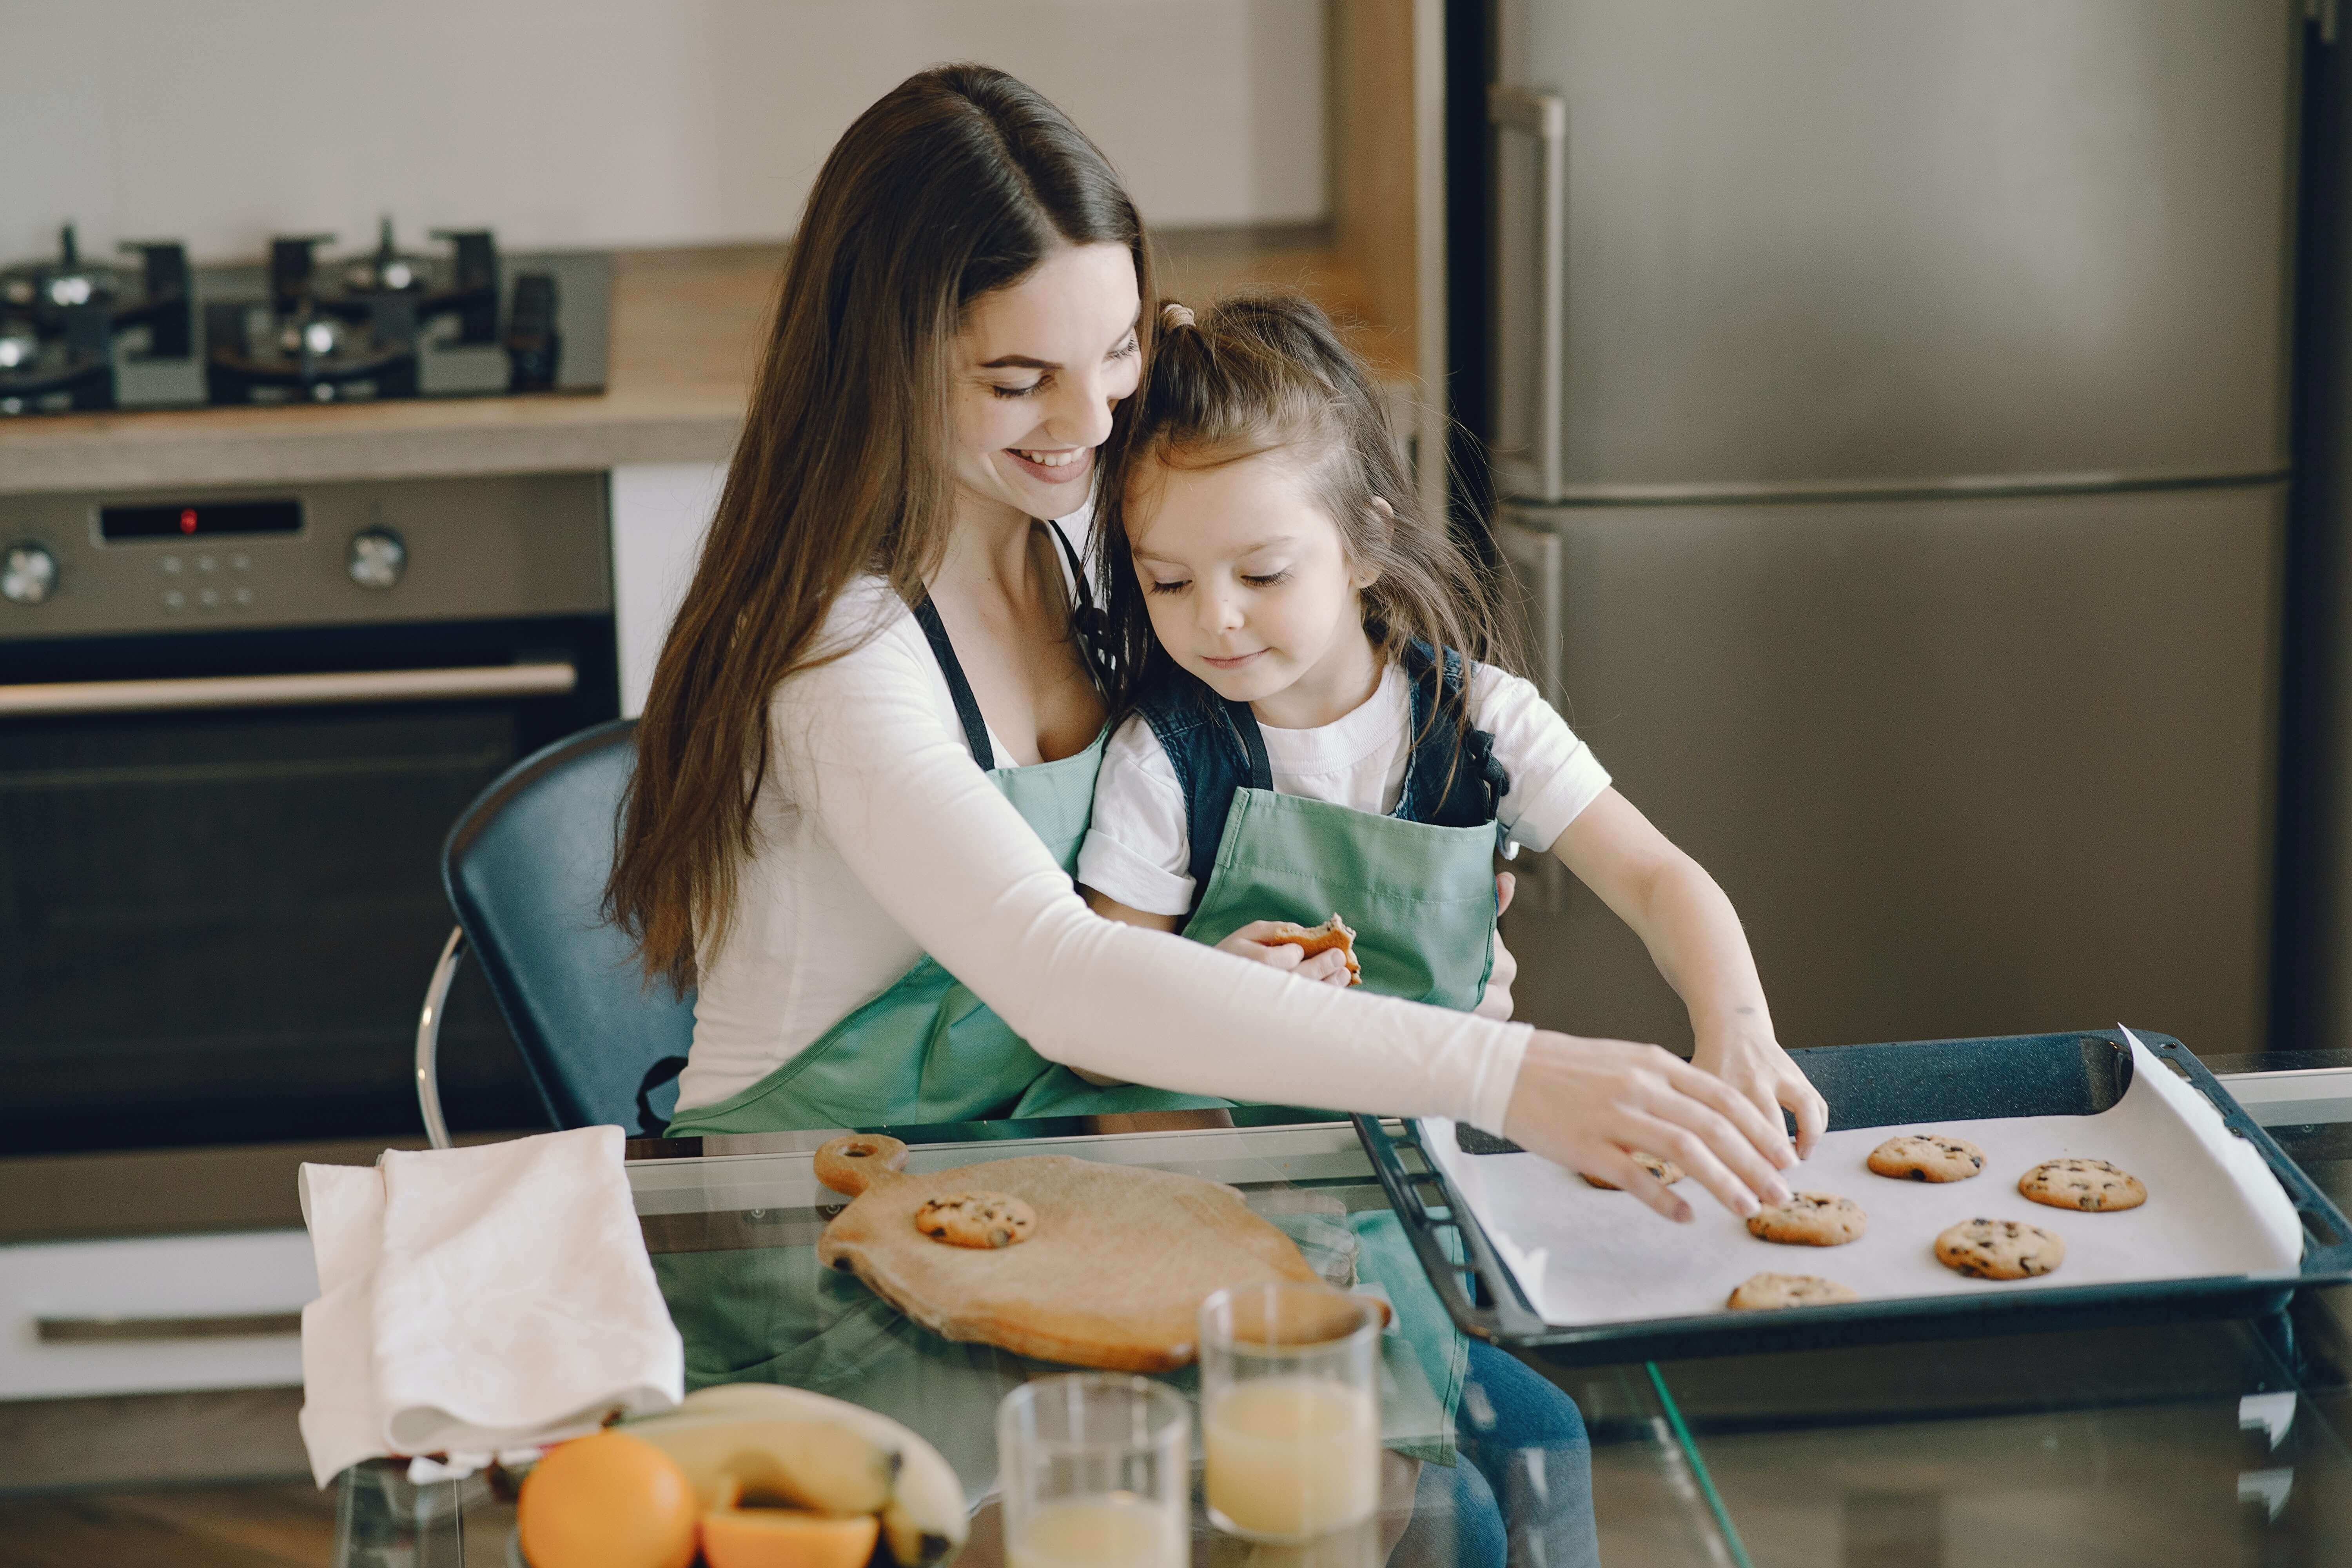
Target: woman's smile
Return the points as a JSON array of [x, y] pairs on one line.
[[1054, 465]]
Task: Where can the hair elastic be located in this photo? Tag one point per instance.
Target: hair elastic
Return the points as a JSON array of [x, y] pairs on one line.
[[1173, 316]]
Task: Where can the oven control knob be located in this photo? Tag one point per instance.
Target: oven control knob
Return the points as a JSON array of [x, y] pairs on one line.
[[377, 558], [28, 574]]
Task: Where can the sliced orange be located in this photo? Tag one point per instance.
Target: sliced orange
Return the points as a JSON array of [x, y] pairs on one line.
[[787, 1538]]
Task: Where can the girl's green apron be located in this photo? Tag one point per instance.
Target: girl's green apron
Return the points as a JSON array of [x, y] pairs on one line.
[[1417, 887]]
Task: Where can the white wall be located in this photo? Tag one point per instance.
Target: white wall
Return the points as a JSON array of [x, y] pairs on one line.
[[623, 122]]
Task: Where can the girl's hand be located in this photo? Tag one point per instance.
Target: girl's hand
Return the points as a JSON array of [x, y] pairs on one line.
[[1753, 1064], [1495, 1002], [1254, 941], [1590, 1105]]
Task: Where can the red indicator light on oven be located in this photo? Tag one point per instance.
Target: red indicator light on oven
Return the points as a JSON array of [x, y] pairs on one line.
[[188, 519]]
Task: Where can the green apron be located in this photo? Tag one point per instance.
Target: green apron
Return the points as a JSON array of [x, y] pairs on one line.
[[928, 1049], [1420, 894]]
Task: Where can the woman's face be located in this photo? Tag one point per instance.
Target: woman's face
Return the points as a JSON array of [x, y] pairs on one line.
[[1038, 367]]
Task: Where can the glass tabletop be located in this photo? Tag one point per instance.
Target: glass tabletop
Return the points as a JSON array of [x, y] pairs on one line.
[[2199, 1441]]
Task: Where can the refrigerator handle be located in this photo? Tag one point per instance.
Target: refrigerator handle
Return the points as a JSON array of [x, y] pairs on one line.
[[1544, 116]]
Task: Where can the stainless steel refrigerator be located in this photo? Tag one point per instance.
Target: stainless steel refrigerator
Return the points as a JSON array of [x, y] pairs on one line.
[[1888, 409]]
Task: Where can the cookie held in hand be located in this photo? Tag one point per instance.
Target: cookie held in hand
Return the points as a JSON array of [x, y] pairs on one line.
[[1999, 1249], [2093, 1186], [1768, 1293], [1918, 1157], [1810, 1219], [1312, 940], [976, 1219], [1666, 1170]]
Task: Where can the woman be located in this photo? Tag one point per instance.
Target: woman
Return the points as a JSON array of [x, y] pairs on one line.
[[868, 754], [813, 836]]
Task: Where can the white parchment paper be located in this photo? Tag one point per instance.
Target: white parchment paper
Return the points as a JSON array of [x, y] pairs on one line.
[[1584, 1255]]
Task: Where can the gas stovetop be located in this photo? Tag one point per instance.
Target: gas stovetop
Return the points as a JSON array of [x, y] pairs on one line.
[[457, 321]]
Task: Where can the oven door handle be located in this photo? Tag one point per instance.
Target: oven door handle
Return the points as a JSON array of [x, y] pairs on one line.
[[363, 686]]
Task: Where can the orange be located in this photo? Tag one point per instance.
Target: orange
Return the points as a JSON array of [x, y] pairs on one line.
[[786, 1538], [610, 1500]]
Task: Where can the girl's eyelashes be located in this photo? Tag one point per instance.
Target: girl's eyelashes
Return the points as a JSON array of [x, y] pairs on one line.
[[1271, 580], [1129, 348]]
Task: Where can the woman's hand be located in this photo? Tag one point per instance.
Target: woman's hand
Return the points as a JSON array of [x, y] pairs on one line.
[[1751, 1062], [1591, 1105], [1256, 940]]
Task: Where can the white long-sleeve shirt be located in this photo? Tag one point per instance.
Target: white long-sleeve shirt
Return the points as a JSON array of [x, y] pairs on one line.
[[879, 841]]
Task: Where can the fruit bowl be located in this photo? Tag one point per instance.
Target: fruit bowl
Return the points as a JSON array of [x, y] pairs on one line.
[[782, 1474]]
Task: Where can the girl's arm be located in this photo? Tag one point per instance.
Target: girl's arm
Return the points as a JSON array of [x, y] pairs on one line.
[[1693, 937]]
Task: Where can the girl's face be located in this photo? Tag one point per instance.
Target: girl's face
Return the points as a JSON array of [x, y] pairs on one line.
[[1038, 367], [1249, 585]]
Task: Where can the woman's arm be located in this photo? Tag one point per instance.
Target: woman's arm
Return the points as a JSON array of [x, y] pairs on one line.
[[862, 749], [1693, 937]]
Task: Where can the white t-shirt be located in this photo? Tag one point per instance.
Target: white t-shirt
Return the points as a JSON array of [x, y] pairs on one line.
[[878, 841], [1138, 851]]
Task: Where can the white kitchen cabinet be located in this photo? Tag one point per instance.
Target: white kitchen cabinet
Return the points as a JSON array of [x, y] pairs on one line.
[[661, 512], [153, 1314]]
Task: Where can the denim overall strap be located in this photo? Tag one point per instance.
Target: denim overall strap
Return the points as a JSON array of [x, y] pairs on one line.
[[1453, 779], [1215, 748]]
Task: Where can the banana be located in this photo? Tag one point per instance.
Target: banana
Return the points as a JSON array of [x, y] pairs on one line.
[[924, 1524], [818, 1465]]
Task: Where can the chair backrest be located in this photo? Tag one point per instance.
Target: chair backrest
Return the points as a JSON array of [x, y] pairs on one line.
[[525, 869]]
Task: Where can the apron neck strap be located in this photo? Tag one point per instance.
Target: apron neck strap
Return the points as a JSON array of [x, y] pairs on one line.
[[1088, 621], [967, 707], [1245, 723], [1087, 618]]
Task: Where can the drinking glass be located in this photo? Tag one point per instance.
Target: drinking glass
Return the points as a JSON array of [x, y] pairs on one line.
[[1290, 1414], [1097, 1473]]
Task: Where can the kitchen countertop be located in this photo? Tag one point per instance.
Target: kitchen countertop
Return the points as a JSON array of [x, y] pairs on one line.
[[685, 330]]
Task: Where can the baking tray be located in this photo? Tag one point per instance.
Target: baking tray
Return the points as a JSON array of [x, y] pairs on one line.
[[2078, 1073]]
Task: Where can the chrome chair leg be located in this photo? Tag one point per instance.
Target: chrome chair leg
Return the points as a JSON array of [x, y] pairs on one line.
[[429, 1038]]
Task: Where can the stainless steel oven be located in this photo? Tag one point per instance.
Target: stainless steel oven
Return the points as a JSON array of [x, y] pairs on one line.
[[234, 727]]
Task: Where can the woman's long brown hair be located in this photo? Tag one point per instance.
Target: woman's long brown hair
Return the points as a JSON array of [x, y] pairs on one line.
[[956, 184]]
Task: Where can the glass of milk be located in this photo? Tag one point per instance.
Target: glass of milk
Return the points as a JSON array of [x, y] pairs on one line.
[[1097, 1471], [1291, 1410]]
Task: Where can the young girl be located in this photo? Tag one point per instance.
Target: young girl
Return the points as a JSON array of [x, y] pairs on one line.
[[1316, 722]]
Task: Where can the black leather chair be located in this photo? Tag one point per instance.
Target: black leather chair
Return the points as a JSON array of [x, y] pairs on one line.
[[525, 869]]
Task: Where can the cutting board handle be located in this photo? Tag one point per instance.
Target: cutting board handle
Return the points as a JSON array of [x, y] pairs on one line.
[[848, 1163]]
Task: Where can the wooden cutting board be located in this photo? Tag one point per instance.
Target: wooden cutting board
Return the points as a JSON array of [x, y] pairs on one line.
[[1112, 1277]]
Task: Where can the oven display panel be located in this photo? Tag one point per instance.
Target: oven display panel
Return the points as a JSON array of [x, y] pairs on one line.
[[206, 520]]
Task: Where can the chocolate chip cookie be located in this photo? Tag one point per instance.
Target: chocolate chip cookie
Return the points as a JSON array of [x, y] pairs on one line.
[[1810, 1219], [1924, 1157], [976, 1219], [1766, 1293], [1999, 1249], [1666, 1171], [2091, 1185]]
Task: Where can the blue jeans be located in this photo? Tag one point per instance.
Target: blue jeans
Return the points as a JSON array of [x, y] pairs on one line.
[[1522, 1495]]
